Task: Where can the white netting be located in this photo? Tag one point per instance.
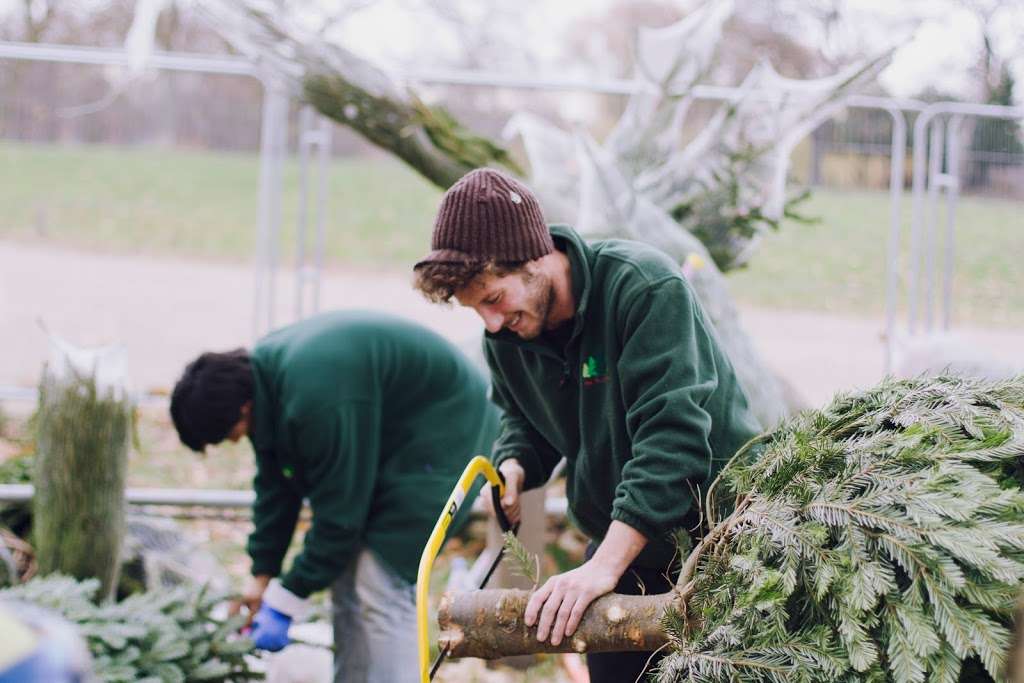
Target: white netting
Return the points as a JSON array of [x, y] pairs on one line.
[[729, 182], [648, 131], [702, 202], [107, 365]]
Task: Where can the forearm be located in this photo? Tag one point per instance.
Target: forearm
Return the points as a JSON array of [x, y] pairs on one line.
[[275, 514], [619, 548]]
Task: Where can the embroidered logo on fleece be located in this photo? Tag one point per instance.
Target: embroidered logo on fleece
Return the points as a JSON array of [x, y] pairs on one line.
[[594, 371]]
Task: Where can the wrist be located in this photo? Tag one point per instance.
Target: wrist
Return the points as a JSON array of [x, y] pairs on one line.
[[609, 563], [512, 466], [260, 580], [282, 600], [619, 548]]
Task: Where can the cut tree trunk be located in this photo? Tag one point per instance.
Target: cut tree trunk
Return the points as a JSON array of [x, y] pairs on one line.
[[389, 123], [489, 624]]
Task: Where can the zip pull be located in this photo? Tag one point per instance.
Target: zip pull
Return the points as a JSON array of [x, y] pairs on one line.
[[566, 374]]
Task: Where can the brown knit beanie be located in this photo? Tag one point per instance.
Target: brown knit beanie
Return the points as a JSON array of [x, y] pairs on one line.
[[488, 215]]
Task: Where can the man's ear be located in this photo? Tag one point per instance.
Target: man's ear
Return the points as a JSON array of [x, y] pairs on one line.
[[246, 409]]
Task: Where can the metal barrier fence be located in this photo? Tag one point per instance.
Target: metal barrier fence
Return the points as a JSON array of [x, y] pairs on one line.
[[273, 122], [215, 499], [942, 164]]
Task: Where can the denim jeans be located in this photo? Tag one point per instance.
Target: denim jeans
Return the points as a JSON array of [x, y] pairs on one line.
[[374, 624]]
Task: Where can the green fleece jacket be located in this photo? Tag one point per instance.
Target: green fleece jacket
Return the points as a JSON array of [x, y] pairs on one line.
[[370, 417], [637, 395]]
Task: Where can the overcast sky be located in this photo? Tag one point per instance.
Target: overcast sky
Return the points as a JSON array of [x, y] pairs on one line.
[[937, 52]]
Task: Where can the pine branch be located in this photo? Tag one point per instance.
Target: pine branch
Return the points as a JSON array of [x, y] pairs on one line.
[[526, 564]]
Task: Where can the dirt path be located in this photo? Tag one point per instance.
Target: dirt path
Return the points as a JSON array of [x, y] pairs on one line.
[[167, 311]]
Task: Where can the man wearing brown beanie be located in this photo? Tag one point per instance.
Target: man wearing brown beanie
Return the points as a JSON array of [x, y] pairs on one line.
[[599, 353]]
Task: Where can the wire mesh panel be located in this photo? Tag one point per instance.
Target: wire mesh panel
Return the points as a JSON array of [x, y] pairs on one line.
[[992, 163], [852, 151], [49, 102]]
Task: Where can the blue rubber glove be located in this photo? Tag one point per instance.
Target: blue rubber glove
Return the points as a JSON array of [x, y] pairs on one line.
[[270, 629]]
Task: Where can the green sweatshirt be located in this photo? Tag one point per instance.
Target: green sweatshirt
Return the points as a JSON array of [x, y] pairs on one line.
[[637, 395], [370, 417]]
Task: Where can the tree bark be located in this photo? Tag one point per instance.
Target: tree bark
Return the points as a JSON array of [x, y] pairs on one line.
[[489, 624], [388, 123]]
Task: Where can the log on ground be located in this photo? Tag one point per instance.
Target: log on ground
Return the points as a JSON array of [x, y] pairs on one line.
[[489, 624]]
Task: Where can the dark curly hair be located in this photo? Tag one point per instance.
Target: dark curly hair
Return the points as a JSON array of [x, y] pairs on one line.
[[438, 282], [207, 401]]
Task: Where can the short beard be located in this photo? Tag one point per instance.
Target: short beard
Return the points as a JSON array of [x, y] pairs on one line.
[[540, 294]]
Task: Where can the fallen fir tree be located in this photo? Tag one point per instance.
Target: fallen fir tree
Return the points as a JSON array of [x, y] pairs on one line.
[[881, 538]]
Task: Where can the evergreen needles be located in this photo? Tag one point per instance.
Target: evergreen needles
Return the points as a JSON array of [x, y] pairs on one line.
[[78, 508], [879, 539], [526, 564], [166, 636]]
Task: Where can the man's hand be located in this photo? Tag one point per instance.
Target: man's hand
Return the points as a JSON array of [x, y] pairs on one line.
[[514, 477], [562, 600], [251, 598]]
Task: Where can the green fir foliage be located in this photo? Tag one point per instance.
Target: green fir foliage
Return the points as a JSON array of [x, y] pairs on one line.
[[83, 433], [879, 539], [17, 470], [525, 563], [724, 222], [168, 635]]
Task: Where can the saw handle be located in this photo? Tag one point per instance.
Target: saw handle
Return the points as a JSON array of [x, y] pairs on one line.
[[478, 466], [499, 513]]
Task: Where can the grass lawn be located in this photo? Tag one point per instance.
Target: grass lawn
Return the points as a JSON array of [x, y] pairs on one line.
[[838, 264], [204, 204], [379, 213]]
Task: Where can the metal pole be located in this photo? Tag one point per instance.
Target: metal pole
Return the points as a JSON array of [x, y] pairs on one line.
[[620, 86], [280, 156], [917, 218], [936, 147], [273, 141], [213, 498], [173, 61], [952, 185], [897, 156], [305, 125], [323, 157], [263, 216]]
